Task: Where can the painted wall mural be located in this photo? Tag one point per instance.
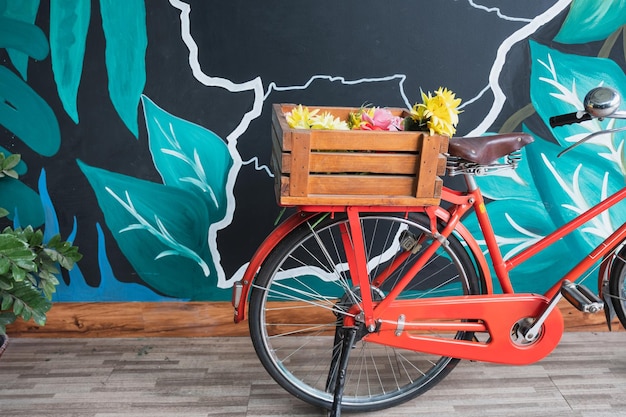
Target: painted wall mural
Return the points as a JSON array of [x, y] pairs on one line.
[[144, 126]]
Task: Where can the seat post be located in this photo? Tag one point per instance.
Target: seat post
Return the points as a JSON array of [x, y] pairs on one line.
[[470, 180]]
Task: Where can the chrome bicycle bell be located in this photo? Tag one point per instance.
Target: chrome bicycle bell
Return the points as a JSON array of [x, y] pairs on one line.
[[602, 102]]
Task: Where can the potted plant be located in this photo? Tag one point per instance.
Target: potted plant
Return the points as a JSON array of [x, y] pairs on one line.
[[28, 266]]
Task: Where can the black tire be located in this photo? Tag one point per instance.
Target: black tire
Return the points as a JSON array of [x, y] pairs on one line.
[[302, 290], [617, 285]]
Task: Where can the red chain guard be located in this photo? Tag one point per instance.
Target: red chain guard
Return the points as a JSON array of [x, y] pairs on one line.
[[415, 324]]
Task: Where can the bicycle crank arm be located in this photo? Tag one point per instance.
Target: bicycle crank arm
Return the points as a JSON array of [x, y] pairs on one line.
[[500, 320]]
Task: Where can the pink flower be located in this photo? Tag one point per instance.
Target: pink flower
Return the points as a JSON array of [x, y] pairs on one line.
[[382, 119]]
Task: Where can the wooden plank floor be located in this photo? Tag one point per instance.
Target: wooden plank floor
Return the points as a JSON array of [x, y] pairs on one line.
[[221, 376]]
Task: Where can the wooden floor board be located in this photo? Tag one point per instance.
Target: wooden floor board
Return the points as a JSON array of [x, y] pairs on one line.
[[221, 376]]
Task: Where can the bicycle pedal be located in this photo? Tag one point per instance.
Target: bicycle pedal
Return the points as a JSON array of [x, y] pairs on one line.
[[581, 297]]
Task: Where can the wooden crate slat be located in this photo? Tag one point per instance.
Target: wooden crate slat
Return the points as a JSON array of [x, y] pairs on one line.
[[357, 200], [428, 165], [300, 153], [364, 140], [361, 184], [353, 162]]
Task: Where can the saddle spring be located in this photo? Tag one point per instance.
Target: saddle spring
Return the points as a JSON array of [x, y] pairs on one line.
[[458, 166]]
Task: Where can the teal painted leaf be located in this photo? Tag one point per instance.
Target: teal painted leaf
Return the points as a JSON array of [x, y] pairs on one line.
[[69, 21], [161, 230], [519, 224], [558, 85], [22, 202], [592, 20], [23, 11], [573, 183], [564, 187], [189, 156], [126, 42], [19, 106]]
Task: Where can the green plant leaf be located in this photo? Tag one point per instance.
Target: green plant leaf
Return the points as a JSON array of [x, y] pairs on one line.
[[11, 161], [16, 251], [29, 302], [6, 318], [6, 283], [7, 301], [126, 43], [69, 22]]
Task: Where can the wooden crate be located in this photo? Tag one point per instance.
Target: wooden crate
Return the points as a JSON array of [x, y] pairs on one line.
[[355, 167]]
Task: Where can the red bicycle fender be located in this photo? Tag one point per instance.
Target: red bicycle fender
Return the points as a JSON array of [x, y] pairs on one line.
[[242, 288]]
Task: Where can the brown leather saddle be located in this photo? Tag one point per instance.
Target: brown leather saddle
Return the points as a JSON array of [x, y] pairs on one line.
[[486, 149]]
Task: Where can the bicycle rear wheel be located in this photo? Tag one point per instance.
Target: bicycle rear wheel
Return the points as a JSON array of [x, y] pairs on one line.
[[304, 288], [617, 285]]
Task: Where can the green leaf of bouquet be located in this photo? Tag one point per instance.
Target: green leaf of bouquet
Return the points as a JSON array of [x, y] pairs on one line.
[[560, 81], [592, 20], [161, 230], [126, 42], [17, 196], [189, 157], [22, 11], [19, 106], [69, 21]]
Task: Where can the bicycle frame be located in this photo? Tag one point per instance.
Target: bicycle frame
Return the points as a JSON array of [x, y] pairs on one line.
[[490, 313]]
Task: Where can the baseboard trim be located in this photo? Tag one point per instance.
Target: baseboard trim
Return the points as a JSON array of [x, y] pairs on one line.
[[189, 319]]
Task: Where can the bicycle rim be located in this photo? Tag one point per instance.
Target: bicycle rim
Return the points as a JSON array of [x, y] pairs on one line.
[[303, 290]]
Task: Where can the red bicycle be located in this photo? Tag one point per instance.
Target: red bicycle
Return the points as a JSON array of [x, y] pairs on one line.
[[363, 308]]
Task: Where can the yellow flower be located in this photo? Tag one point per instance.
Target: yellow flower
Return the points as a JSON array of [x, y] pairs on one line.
[[355, 119], [439, 111], [300, 117], [328, 121]]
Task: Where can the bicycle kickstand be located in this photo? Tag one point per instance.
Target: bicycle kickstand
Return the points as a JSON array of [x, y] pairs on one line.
[[348, 340]]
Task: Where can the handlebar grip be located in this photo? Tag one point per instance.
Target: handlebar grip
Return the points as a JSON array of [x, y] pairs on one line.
[[568, 119]]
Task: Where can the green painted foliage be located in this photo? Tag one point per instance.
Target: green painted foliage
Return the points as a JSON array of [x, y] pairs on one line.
[[189, 157], [69, 21], [592, 20], [161, 230]]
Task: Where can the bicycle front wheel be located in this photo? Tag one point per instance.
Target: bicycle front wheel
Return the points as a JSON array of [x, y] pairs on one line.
[[304, 288]]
